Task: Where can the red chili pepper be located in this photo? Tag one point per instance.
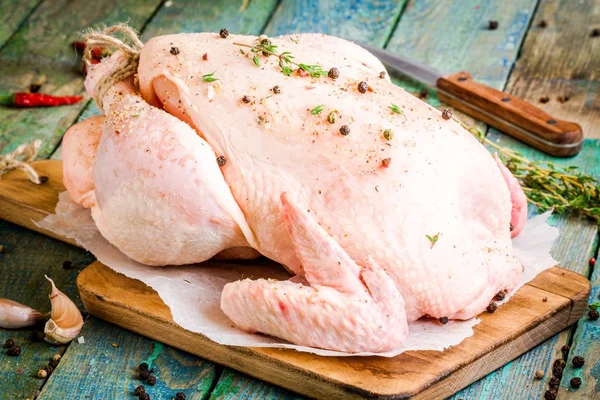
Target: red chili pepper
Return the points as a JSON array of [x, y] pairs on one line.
[[24, 100], [97, 52]]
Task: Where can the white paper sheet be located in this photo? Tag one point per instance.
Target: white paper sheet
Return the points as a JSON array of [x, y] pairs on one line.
[[193, 292]]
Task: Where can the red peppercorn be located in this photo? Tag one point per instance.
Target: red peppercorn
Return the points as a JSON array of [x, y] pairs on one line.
[[205, 56], [385, 163], [592, 262]]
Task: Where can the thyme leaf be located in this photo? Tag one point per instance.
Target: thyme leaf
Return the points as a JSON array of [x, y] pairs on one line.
[[395, 109], [317, 109], [549, 186], [433, 239], [256, 61], [209, 78], [594, 306]]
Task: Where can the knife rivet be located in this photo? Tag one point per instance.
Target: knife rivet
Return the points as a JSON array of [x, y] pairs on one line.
[[462, 78], [505, 99], [551, 122]]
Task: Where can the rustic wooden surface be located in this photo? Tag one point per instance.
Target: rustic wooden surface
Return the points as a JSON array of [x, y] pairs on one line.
[[516, 327], [556, 61]]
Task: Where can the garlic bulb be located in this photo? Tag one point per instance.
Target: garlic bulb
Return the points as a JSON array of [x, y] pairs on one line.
[[15, 315], [65, 320]]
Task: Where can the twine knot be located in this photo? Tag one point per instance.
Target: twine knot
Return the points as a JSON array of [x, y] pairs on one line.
[[20, 158], [127, 42]]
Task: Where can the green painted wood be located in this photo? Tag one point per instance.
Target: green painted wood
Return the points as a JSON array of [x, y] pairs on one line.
[[41, 51], [97, 369], [12, 14], [234, 385], [586, 343], [240, 16], [28, 256], [366, 21]]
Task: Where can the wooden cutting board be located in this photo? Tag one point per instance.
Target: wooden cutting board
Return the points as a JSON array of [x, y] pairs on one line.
[[554, 300]]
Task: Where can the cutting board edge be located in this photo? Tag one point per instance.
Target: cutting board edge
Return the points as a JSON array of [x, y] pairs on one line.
[[234, 357]]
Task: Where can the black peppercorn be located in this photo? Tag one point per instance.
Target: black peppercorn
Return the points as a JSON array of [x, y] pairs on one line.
[[447, 114], [565, 349], [67, 264], [493, 25], [385, 163], [593, 315], [144, 396], [276, 89], [557, 372], [382, 74], [575, 382], [554, 382], [246, 99], [9, 343], [559, 364], [363, 87], [53, 364], [578, 361], [444, 320], [14, 351], [500, 296], [224, 33], [345, 130], [221, 160], [595, 32], [180, 396], [144, 374], [491, 307], [139, 390], [550, 394], [143, 366], [44, 179], [48, 369], [174, 50], [151, 380], [543, 24], [333, 73], [34, 336]]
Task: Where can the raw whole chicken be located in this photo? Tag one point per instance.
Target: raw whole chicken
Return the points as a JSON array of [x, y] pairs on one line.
[[384, 211]]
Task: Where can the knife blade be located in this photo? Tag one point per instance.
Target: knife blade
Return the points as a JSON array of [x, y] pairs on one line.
[[501, 110]]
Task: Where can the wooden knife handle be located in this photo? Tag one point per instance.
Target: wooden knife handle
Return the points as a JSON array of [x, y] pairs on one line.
[[512, 115]]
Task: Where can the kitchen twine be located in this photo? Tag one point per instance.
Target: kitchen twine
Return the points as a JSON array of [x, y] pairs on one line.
[[19, 158], [130, 44]]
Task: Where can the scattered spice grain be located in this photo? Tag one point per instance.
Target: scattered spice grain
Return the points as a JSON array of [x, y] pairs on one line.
[[224, 33], [578, 361], [575, 382]]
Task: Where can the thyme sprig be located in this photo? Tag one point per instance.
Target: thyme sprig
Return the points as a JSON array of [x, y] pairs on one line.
[[209, 78], [433, 239], [266, 47], [594, 306], [550, 186]]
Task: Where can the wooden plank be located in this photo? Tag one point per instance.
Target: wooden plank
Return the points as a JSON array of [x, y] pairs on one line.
[[516, 327], [238, 16], [97, 369], [364, 21], [586, 343], [12, 15], [41, 52], [27, 257]]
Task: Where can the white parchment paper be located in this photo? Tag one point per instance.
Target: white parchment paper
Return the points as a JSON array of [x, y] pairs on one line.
[[193, 292]]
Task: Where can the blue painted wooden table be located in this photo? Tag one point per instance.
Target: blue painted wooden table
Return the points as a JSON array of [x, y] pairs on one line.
[[542, 50]]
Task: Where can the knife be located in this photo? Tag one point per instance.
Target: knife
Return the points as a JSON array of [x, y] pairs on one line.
[[501, 110]]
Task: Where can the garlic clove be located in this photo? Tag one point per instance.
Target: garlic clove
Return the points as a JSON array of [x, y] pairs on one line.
[[65, 321], [15, 315]]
